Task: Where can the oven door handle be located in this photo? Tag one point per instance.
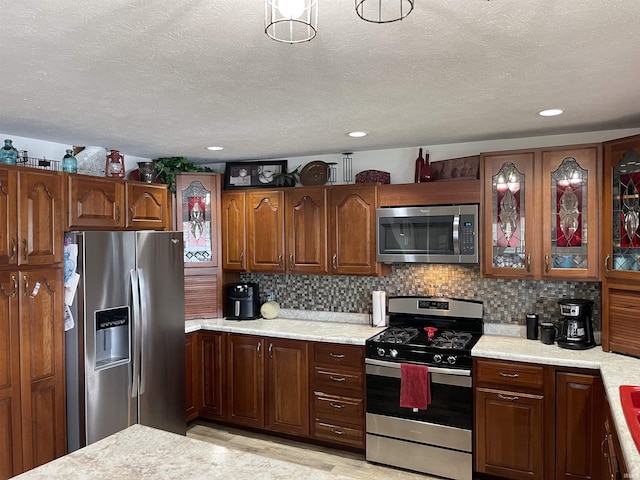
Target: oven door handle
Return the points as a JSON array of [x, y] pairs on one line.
[[444, 376]]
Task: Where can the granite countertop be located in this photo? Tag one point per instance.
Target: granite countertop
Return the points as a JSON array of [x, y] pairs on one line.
[[615, 370], [328, 327], [141, 452]]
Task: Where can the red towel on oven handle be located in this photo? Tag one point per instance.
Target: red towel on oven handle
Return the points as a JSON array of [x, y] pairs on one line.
[[415, 388]]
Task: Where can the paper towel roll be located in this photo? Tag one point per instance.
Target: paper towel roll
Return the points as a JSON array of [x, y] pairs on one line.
[[378, 304]]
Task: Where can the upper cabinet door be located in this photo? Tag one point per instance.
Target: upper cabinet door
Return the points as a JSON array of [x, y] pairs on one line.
[[509, 215], [234, 233], [40, 205], [95, 202], [265, 233], [8, 224], [197, 198], [306, 221], [570, 193], [621, 208], [353, 230], [148, 207]]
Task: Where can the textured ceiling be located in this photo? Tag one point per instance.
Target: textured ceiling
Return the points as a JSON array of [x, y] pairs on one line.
[[162, 78]]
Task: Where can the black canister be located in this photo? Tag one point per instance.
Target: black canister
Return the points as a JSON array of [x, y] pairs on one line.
[[532, 326]]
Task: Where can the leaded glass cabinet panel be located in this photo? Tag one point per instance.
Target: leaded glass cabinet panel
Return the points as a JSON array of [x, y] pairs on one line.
[[196, 223], [626, 213]]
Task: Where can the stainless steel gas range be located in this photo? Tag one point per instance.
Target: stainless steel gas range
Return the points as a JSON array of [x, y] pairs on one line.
[[439, 333]]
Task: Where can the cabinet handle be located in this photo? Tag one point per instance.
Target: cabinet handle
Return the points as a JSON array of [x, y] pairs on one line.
[[26, 285], [24, 249], [15, 286], [337, 405], [334, 261], [546, 263], [336, 431], [259, 349], [337, 379], [241, 259], [336, 355], [271, 350], [14, 249], [606, 263], [528, 263], [291, 263], [510, 375], [280, 261], [604, 440], [118, 214], [508, 397]]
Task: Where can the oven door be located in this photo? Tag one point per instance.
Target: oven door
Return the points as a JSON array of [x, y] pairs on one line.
[[451, 395]]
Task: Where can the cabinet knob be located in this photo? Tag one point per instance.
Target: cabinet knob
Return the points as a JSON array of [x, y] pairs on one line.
[[291, 262], [259, 349], [334, 260], [271, 350], [280, 262], [26, 285], [606, 263], [528, 263], [15, 286], [241, 259], [546, 263], [14, 249], [24, 249]]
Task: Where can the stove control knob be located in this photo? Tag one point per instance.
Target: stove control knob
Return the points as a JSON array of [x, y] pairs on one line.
[[393, 352], [437, 358], [381, 352], [451, 359]]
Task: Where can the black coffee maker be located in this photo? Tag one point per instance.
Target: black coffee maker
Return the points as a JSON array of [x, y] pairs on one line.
[[575, 328]]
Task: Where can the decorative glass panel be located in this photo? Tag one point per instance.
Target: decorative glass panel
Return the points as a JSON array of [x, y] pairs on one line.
[[196, 223], [626, 213], [508, 213], [569, 185]]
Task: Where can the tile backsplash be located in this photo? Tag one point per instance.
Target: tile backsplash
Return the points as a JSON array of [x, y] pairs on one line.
[[505, 301]]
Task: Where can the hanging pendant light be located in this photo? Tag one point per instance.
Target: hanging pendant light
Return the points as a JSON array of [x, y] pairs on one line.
[[383, 11], [291, 21]]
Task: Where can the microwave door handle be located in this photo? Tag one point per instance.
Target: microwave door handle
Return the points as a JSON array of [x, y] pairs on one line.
[[456, 234]]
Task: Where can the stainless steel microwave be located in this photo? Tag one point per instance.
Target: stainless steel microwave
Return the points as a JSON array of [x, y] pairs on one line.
[[430, 234]]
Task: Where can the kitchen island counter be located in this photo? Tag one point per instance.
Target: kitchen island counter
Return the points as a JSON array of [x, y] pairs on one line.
[[297, 329], [615, 370], [141, 452]]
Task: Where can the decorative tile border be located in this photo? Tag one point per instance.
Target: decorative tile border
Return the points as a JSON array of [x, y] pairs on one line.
[[505, 301]]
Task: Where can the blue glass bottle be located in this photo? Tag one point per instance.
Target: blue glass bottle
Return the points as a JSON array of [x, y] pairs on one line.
[[69, 163], [8, 154]]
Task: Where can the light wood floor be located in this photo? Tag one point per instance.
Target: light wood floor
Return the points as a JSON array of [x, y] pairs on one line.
[[348, 464]]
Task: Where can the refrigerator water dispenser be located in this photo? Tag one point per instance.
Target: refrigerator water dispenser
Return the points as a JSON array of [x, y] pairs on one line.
[[113, 340]]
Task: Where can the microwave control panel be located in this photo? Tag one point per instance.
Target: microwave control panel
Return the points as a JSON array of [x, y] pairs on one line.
[[467, 235]]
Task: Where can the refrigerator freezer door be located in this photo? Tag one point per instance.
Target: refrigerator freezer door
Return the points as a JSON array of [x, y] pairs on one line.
[[160, 270], [107, 260]]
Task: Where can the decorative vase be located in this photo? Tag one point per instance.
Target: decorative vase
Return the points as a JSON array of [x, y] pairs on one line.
[[147, 171], [8, 154], [426, 175], [69, 163], [419, 167]]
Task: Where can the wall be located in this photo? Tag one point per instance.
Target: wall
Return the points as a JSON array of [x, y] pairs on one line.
[[505, 301]]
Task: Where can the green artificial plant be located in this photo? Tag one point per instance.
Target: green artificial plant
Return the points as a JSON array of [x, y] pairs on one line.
[[169, 167]]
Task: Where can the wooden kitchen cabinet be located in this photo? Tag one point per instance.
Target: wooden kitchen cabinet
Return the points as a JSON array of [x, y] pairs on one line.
[[267, 383], [192, 381], [541, 213], [613, 463], [338, 401], [31, 205], [198, 217], [621, 245], [212, 378], [95, 203], [234, 231], [265, 231], [148, 206], [510, 411], [579, 420], [32, 391]]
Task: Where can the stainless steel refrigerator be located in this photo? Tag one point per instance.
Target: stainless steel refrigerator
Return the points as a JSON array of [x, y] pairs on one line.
[[125, 356]]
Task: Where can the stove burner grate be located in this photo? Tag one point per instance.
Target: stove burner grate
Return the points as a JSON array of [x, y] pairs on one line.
[[398, 335], [452, 340]]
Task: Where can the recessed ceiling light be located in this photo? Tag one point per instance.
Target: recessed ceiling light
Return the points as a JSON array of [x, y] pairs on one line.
[[550, 113], [215, 149], [357, 134]]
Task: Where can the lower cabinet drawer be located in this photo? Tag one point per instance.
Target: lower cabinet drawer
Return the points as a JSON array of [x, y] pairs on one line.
[[338, 409], [339, 434], [338, 378]]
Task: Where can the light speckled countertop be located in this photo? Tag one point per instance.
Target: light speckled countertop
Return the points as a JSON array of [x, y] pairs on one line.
[[141, 452], [615, 370]]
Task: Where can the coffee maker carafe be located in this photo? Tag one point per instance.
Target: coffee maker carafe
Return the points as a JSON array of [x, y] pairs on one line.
[[575, 329]]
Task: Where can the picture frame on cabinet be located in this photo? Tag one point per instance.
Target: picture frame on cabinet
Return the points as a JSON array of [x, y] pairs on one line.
[[240, 175]]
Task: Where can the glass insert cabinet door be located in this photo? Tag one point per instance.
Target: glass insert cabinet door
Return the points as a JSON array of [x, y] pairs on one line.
[[509, 189], [196, 221], [626, 214]]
